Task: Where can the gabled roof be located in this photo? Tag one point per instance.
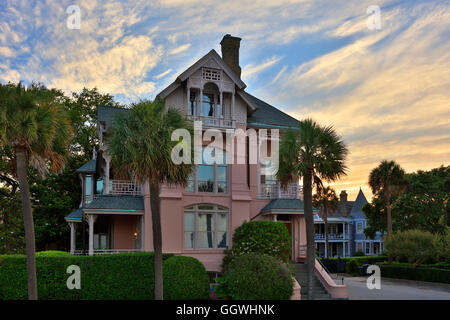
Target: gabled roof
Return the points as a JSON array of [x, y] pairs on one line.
[[88, 167], [188, 72], [269, 116], [357, 206], [107, 114], [119, 203]]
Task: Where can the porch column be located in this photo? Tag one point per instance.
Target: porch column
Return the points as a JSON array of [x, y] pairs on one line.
[[106, 179], [91, 220], [188, 98], [200, 105], [221, 105], [274, 217], [233, 115], [343, 230], [72, 237], [343, 249], [142, 233]]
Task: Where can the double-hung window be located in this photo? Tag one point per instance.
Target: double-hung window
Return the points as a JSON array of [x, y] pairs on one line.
[[205, 227], [211, 178]]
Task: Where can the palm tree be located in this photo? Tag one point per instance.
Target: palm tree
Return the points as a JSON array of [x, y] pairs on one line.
[[140, 144], [327, 200], [35, 126], [313, 153], [386, 180]]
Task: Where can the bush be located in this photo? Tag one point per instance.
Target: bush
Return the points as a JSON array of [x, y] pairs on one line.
[[420, 273], [185, 278], [265, 237], [414, 246], [339, 265], [52, 253], [352, 267], [255, 276], [359, 253], [110, 277]]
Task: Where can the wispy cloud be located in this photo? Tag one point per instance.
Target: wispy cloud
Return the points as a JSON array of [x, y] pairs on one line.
[[252, 70], [180, 49]]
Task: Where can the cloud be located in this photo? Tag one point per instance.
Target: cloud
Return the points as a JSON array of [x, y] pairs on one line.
[[163, 74], [252, 70], [180, 49]]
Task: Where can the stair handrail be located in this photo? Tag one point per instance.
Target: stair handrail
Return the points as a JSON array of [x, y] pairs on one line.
[[328, 271]]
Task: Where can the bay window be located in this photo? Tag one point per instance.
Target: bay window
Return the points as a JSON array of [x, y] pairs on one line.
[[205, 227]]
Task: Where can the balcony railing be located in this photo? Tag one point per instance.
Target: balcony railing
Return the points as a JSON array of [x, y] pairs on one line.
[[214, 122], [105, 251], [275, 191], [331, 236], [124, 187]]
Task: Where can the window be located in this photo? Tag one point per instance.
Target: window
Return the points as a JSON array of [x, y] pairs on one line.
[[359, 246], [193, 105], [209, 178], [205, 227], [208, 105], [367, 248], [88, 189], [359, 227], [211, 74]]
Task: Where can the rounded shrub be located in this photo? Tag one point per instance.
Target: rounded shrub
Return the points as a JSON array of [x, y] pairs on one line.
[[185, 278], [52, 253], [352, 267], [255, 276], [266, 237]]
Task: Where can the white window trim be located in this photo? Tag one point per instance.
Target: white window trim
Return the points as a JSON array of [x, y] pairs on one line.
[[215, 211]]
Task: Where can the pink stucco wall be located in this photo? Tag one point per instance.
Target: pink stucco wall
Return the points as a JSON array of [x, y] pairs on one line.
[[123, 229]]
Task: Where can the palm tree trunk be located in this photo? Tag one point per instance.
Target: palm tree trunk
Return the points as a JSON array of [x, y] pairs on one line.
[[309, 221], [28, 223], [157, 239], [325, 220], [389, 219]]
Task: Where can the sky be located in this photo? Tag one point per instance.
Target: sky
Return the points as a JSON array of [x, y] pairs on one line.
[[385, 87]]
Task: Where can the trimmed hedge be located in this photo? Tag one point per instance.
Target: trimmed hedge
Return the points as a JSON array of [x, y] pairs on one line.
[[111, 277], [420, 273], [255, 276], [185, 278], [339, 265], [265, 237]]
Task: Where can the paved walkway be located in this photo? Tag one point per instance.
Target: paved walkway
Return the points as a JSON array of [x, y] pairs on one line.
[[396, 289]]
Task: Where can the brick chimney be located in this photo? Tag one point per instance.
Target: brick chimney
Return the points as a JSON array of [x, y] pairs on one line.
[[230, 52], [343, 203]]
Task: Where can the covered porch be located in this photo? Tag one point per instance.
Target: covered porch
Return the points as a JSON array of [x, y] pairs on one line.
[[109, 224]]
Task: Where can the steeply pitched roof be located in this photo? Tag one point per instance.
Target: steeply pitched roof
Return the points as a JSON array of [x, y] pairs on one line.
[[357, 206], [289, 205], [267, 115], [121, 203], [107, 114], [88, 167], [75, 215]]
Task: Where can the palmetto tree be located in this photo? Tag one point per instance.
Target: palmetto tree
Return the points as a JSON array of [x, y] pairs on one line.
[[313, 153], [386, 180], [326, 199], [34, 124], [140, 144]]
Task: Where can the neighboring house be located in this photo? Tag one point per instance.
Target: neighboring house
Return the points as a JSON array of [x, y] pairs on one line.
[[198, 220], [346, 230]]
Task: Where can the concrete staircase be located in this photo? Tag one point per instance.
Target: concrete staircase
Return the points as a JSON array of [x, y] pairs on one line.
[[319, 292]]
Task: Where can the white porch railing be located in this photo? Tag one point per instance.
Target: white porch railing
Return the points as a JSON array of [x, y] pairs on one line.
[[124, 187], [105, 251], [331, 236], [275, 191], [214, 122]]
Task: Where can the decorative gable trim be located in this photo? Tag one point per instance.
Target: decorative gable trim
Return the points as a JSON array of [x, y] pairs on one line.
[[210, 60]]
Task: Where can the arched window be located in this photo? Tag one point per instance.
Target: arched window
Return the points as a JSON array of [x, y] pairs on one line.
[[205, 227]]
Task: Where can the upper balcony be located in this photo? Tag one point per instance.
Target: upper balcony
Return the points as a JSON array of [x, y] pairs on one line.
[[214, 121], [116, 188], [275, 191]]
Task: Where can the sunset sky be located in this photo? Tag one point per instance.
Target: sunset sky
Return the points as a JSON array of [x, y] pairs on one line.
[[386, 91]]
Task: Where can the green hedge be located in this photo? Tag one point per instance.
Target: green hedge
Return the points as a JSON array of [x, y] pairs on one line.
[[340, 265], [420, 273], [264, 237], [255, 276], [185, 278], [118, 276]]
